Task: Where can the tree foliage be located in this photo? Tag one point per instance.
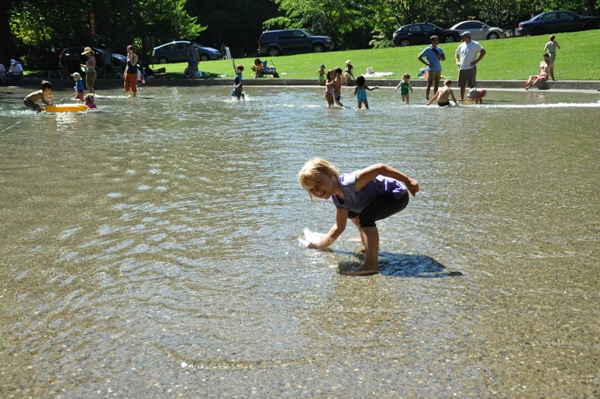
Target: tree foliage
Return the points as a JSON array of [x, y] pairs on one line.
[[40, 29]]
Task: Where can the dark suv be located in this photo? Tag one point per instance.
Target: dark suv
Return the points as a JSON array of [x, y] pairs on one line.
[[420, 33], [291, 41]]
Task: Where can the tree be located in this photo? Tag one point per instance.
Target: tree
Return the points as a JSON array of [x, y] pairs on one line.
[[237, 23], [41, 28]]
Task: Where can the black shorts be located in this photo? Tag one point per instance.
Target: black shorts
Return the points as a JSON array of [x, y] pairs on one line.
[[34, 106], [381, 208]]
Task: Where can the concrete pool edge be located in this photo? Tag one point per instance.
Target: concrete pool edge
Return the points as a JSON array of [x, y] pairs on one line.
[[587, 85]]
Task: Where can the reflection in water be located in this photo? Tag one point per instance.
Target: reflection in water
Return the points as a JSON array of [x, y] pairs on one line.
[[153, 245]]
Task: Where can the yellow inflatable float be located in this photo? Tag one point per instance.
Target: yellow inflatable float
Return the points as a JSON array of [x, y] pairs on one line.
[[66, 108]]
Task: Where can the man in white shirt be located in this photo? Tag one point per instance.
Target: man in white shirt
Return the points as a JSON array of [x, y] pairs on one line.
[[15, 73], [468, 54]]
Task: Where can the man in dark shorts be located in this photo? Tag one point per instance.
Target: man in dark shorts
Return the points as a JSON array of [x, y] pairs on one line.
[[467, 60]]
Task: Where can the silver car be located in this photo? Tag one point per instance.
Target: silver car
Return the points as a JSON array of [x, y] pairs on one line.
[[479, 30], [177, 52]]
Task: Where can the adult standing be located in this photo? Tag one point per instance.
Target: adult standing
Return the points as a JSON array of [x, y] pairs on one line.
[[90, 68], [468, 54], [433, 54], [193, 58], [131, 68], [107, 61], [15, 73]]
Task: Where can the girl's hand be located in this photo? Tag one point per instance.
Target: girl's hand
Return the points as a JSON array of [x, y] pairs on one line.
[[412, 185]]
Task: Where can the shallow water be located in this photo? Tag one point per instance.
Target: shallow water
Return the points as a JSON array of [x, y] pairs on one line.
[[151, 248]]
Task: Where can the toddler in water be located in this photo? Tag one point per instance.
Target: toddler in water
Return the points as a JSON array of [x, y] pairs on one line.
[[404, 86], [89, 101], [476, 94], [363, 196], [78, 86], [360, 91], [321, 75]]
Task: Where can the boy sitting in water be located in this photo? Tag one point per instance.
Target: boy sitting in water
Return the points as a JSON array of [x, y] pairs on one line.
[[442, 95], [45, 95]]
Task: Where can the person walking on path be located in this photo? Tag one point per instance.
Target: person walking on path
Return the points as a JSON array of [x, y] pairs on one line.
[[550, 48], [433, 55], [468, 54]]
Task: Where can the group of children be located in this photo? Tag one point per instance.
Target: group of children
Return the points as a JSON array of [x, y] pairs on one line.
[[45, 95], [333, 81]]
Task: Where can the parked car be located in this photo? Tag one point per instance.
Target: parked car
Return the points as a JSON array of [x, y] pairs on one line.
[[557, 21], [292, 41], [420, 33], [479, 30], [71, 58], [177, 52]]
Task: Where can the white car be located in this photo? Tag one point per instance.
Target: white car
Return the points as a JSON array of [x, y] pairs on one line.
[[479, 30]]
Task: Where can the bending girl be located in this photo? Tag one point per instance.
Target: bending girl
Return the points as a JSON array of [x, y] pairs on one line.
[[363, 196]]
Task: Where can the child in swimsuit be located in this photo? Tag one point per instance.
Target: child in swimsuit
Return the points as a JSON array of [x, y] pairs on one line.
[[443, 94], [360, 91], [337, 87], [44, 95], [476, 94], [237, 82], [90, 101], [404, 86], [363, 196], [321, 74], [329, 83]]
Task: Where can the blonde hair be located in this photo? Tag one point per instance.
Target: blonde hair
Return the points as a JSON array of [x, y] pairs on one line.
[[313, 168]]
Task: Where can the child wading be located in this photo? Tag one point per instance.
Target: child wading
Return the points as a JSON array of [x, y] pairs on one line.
[[237, 81], [78, 86], [360, 91], [404, 87], [363, 196]]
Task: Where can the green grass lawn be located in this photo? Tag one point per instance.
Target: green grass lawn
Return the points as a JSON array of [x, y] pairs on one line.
[[512, 58]]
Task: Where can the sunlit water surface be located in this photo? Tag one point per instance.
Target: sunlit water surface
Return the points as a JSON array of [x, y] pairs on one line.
[[151, 248]]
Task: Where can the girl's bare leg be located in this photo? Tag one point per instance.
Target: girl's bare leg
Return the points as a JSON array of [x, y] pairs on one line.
[[370, 237]]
